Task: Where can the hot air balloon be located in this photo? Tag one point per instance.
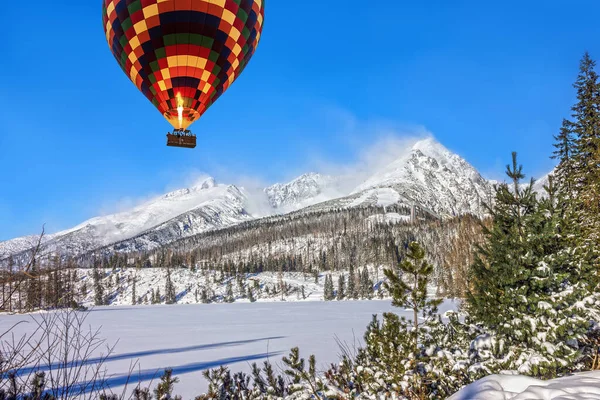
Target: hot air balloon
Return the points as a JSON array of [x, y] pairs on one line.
[[182, 54]]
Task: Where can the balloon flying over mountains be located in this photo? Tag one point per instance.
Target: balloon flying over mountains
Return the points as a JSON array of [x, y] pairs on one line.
[[183, 54]]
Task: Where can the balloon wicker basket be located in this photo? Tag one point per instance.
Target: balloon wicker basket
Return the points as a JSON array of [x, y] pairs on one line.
[[181, 138]]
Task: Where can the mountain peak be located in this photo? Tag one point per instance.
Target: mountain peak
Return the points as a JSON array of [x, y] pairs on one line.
[[309, 175], [433, 176], [429, 142], [206, 183], [305, 189], [432, 148]]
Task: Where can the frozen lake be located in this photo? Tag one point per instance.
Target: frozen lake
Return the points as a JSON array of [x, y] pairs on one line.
[[192, 338]]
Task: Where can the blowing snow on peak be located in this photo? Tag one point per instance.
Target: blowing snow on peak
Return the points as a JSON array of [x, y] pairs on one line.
[[432, 176]]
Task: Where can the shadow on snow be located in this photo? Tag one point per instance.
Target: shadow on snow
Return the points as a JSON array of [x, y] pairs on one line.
[[125, 356]]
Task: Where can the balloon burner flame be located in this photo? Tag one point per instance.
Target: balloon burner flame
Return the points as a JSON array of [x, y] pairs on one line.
[[180, 110]]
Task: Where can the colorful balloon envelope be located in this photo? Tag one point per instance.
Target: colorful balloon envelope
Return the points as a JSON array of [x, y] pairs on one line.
[[183, 54]]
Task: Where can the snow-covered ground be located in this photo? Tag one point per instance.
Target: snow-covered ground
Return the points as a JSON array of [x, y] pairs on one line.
[[192, 338], [189, 284], [581, 386]]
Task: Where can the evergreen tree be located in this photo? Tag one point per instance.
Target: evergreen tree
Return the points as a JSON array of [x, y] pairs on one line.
[[229, 292], [366, 284], [331, 288], [586, 152], [341, 287], [564, 154], [412, 295], [204, 296], [352, 291], [133, 294], [529, 270], [497, 271], [415, 365], [170, 294], [98, 288], [157, 296], [33, 290], [328, 291]]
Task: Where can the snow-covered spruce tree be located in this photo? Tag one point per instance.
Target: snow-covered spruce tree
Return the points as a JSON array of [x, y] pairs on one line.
[[563, 173], [133, 293], [366, 284], [412, 295], [522, 293], [497, 271], [586, 155], [341, 288], [578, 170], [352, 290], [328, 291], [98, 288], [170, 294]]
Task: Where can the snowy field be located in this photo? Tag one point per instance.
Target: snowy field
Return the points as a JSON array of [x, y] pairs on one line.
[[192, 338]]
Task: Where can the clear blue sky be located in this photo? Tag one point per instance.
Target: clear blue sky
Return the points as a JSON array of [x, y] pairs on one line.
[[485, 77]]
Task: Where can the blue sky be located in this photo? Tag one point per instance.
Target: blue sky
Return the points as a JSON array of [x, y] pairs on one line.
[[485, 78]]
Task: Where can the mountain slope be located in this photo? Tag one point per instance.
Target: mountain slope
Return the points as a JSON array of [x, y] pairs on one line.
[[435, 178], [425, 174], [180, 213]]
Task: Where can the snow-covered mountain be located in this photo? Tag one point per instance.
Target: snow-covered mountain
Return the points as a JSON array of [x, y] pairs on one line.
[[180, 213], [435, 178], [424, 174], [303, 191]]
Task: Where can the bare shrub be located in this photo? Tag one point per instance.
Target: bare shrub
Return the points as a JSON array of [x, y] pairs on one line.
[[62, 357]]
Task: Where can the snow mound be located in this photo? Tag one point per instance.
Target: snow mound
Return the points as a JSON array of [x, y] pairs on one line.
[[582, 386]]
